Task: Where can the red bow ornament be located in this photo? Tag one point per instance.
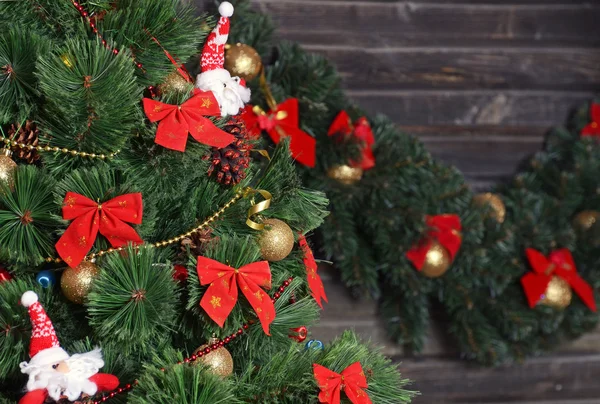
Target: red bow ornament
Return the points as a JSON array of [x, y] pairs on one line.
[[443, 228], [89, 218], [315, 283], [352, 380], [559, 263], [222, 294], [593, 128], [282, 121], [176, 121], [361, 129]]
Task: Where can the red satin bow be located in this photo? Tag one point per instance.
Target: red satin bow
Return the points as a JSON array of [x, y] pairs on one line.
[[593, 128], [443, 228], [352, 380], [362, 131], [282, 121], [559, 263], [222, 294], [315, 283], [176, 121], [90, 217]]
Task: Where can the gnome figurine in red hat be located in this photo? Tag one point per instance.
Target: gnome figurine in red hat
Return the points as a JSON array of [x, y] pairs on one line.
[[52, 372], [231, 92]]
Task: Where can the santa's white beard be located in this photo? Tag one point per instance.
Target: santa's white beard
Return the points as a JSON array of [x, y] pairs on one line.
[[228, 91]]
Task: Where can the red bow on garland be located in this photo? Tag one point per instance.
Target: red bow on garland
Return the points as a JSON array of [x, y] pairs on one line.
[[559, 263], [282, 121], [362, 131], [176, 121], [222, 294], [443, 228], [593, 128], [352, 380], [315, 283], [90, 217]]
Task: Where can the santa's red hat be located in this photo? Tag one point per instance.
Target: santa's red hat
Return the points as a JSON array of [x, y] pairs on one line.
[[213, 54], [44, 348]]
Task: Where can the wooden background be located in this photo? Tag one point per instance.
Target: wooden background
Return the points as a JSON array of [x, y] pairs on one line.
[[480, 82]]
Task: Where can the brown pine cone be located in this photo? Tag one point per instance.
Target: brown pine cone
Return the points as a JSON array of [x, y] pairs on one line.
[[28, 134], [229, 164], [198, 242]]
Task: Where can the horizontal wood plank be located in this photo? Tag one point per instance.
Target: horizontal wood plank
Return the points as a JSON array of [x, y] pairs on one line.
[[464, 68]]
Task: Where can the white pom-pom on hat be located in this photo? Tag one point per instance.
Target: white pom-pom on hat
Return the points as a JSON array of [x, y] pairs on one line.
[[226, 9], [29, 298]]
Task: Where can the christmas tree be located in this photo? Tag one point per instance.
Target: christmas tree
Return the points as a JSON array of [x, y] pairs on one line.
[[179, 269]]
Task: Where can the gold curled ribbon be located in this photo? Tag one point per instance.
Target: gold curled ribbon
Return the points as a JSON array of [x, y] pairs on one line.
[[263, 153], [258, 207], [267, 91]]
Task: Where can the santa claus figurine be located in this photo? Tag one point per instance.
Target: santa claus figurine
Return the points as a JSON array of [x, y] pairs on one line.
[[231, 92], [52, 372]]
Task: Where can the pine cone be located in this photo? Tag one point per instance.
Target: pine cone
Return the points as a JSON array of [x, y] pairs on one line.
[[229, 164], [198, 242], [28, 134]]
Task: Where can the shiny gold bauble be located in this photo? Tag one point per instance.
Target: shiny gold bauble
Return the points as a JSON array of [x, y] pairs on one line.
[[219, 360], [77, 282], [437, 261], [243, 61], [175, 83], [497, 209], [585, 220], [276, 241], [7, 169], [558, 294], [345, 174]]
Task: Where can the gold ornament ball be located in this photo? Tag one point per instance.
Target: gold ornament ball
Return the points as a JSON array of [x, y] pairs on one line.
[[243, 61], [558, 294], [437, 261], [7, 170], [585, 220], [175, 83], [497, 209], [219, 360], [276, 241], [345, 174], [77, 282]]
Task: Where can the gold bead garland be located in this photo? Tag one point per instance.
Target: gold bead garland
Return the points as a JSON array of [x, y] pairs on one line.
[[55, 149]]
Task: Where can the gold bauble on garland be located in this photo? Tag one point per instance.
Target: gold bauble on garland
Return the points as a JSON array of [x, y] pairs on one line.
[[7, 169], [77, 282], [585, 220], [276, 241], [497, 209], [437, 261], [558, 294], [175, 83], [218, 360], [345, 174], [243, 61]]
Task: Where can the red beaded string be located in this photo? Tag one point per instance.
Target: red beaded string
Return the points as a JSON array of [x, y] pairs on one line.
[[92, 25], [222, 342]]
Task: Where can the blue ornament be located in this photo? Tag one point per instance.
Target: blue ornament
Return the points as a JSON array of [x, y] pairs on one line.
[[46, 279], [314, 344]]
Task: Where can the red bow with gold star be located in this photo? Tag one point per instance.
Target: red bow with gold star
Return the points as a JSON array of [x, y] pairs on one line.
[[443, 228], [315, 283], [109, 218], [352, 380], [176, 121], [282, 121], [222, 294], [593, 128], [559, 263], [361, 129]]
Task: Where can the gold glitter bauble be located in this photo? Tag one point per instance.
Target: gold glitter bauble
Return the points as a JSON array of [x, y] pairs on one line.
[[276, 241], [219, 360], [77, 282], [585, 220], [67, 60], [175, 83], [345, 174], [437, 261], [497, 209], [558, 294], [7, 169], [243, 61]]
